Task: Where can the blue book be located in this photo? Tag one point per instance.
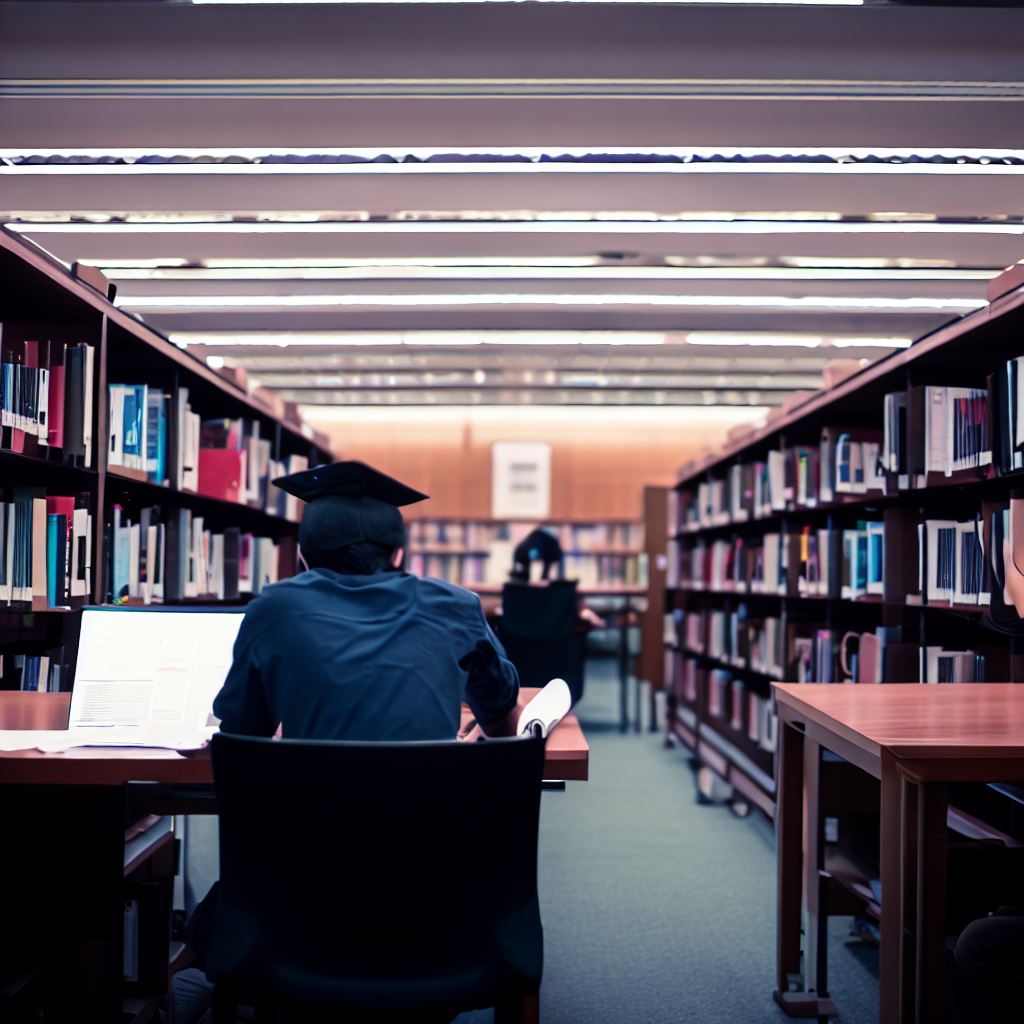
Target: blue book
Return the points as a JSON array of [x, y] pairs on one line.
[[134, 425], [56, 539], [156, 435], [122, 550]]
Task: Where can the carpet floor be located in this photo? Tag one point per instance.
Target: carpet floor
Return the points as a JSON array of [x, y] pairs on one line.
[[657, 909]]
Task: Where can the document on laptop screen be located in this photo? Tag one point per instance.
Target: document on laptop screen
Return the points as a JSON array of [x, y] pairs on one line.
[[156, 671]]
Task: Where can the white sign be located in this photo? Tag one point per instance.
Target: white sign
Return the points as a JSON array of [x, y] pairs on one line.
[[520, 480]]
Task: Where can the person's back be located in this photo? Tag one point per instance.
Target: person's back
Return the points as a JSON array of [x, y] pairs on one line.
[[333, 655]]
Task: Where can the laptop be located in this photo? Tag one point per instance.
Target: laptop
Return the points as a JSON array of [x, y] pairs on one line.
[[151, 671]]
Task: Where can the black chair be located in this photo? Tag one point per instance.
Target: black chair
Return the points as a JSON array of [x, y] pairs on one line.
[[389, 881], [539, 628]]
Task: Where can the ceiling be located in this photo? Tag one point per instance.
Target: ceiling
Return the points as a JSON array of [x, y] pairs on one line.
[[488, 203]]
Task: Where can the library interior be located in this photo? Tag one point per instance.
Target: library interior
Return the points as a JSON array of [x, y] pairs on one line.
[[487, 490]]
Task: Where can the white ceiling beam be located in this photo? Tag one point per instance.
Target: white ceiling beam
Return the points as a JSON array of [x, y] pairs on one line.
[[981, 249], [66, 122], [976, 192], [507, 41]]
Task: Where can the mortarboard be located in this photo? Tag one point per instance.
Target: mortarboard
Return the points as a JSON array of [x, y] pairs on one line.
[[348, 503]]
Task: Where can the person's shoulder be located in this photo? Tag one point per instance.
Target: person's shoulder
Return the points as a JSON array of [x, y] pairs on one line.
[[273, 596], [443, 590]]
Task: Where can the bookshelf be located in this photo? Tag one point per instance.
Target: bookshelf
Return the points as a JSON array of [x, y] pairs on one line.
[[853, 526], [603, 554], [45, 312]]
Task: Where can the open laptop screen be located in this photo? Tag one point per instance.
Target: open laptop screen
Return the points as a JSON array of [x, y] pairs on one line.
[[152, 667]]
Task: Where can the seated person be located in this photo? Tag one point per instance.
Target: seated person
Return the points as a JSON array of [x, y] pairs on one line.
[[538, 546], [354, 648]]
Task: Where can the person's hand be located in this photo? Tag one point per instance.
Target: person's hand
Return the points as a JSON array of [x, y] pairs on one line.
[[589, 616]]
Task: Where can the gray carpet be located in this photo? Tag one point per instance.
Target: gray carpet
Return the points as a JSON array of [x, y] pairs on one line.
[[659, 910]]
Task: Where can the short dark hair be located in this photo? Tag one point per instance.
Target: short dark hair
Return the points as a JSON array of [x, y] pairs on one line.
[[361, 559]]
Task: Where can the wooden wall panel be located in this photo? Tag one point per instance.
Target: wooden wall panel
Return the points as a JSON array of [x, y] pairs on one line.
[[599, 465]]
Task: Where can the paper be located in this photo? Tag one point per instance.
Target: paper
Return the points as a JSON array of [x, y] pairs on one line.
[[158, 670], [58, 741], [546, 710]]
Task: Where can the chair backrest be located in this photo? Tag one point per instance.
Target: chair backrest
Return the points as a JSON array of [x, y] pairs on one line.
[[341, 852], [542, 613]]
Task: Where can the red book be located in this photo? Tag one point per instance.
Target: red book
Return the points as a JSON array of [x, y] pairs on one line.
[[55, 431], [220, 473]]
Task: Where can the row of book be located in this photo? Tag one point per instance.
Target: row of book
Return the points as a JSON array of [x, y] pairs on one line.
[[46, 396], [927, 429], [729, 700], [828, 562], [592, 571], [464, 570], [165, 555], [733, 702], [37, 672], [45, 549], [480, 536], [157, 433], [804, 653]]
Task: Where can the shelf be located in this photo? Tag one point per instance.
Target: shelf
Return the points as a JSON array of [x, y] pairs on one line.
[[20, 463], [855, 501], [955, 334], [72, 287], [168, 494]]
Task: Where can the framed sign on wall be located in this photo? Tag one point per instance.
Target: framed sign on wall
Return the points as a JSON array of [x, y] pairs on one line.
[[520, 480]]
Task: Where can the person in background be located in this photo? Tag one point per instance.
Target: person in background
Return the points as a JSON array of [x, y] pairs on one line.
[[354, 648], [539, 545]]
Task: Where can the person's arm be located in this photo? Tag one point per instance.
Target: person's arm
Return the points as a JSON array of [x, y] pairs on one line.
[[242, 704], [492, 684]]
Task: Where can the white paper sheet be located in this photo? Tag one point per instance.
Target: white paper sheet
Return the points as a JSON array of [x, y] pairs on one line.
[[546, 710]]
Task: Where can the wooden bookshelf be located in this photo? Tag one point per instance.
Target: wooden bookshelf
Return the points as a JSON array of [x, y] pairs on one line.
[[41, 292], [477, 552], [964, 353]]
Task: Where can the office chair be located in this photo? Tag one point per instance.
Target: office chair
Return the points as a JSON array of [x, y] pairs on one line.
[[539, 628], [384, 880]]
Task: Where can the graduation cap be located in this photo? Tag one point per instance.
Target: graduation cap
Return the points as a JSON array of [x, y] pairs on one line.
[[348, 503]]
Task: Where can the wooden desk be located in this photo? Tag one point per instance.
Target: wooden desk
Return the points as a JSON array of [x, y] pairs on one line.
[[567, 752], [915, 740], [64, 818]]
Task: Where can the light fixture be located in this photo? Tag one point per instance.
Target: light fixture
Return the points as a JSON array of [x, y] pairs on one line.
[[200, 303], [502, 227], [438, 339], [533, 273]]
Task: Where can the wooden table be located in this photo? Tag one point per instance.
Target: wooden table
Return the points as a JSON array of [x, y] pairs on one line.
[[916, 740], [62, 856]]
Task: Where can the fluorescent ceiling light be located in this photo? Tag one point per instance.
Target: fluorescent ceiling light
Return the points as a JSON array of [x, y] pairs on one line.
[[502, 227], [815, 302], [117, 265], [439, 339], [461, 338], [704, 3], [757, 340], [502, 167], [657, 417], [528, 273]]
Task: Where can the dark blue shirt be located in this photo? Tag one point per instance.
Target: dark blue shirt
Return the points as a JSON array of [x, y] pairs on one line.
[[363, 658]]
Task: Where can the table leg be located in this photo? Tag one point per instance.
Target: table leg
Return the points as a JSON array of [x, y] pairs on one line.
[[932, 812], [892, 907], [908, 899], [790, 993], [813, 860], [624, 669]]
